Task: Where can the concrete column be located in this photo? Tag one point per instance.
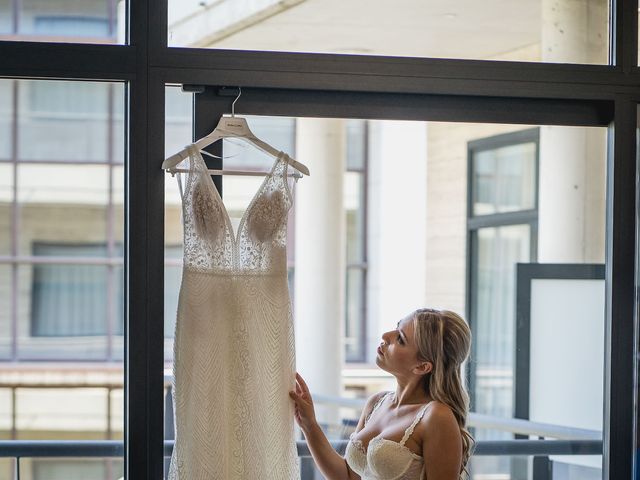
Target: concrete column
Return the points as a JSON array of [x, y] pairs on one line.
[[397, 224], [575, 31], [572, 160], [320, 258]]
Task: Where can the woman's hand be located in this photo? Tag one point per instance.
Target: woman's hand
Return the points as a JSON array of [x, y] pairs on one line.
[[304, 413]]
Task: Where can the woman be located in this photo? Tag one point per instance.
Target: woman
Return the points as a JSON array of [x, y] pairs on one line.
[[417, 432]]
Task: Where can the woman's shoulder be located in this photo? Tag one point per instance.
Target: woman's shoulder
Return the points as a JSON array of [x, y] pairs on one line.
[[438, 415]]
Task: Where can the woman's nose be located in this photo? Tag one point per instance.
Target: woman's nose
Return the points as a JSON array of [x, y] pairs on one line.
[[385, 337]]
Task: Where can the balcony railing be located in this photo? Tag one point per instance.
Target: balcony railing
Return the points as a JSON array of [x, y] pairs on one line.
[[18, 449]]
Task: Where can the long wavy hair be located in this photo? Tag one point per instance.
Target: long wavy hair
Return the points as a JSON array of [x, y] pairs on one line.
[[444, 339]]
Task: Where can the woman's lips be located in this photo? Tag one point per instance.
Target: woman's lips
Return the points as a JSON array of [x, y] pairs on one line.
[[380, 350]]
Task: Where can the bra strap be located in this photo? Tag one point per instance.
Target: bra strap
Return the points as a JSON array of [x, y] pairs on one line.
[[375, 407], [416, 420]]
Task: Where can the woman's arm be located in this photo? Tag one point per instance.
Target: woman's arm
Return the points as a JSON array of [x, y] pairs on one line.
[[441, 444], [330, 463]]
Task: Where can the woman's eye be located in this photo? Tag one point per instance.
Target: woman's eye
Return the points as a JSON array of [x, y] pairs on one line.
[[400, 339]]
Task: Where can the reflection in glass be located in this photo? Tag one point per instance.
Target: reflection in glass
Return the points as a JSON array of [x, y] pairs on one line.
[[6, 16], [172, 281], [504, 179], [354, 199], [92, 21], [62, 204], [354, 325], [278, 132], [64, 120], [69, 300], [178, 126], [498, 250], [6, 203], [64, 469], [537, 31], [68, 292], [117, 130], [178, 111], [356, 144], [86, 412], [6, 309], [6, 118]]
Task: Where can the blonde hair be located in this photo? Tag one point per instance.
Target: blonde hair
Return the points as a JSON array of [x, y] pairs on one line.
[[444, 339]]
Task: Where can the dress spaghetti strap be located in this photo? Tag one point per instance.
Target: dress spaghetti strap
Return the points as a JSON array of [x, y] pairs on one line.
[[375, 407]]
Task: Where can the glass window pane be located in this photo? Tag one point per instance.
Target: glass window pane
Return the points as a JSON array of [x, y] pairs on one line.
[[499, 249], [276, 131], [32, 414], [6, 16], [178, 127], [65, 121], [91, 21], [178, 108], [354, 208], [567, 226], [72, 469], [64, 204], [62, 312], [116, 108], [6, 207], [6, 310], [354, 321], [504, 179], [356, 144], [6, 118], [68, 285], [541, 31]]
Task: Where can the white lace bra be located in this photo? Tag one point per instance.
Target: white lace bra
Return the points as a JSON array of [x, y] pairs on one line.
[[385, 459]]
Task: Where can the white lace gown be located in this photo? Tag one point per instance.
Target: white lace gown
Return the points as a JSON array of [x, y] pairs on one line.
[[234, 360]]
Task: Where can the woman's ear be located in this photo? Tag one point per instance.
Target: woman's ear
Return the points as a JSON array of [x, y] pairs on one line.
[[423, 368]]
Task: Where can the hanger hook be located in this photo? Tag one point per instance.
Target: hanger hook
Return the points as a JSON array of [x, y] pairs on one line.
[[233, 105]]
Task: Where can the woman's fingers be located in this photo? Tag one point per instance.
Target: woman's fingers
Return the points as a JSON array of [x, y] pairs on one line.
[[303, 384]]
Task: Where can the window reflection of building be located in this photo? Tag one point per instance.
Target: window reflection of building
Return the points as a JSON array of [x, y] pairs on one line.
[[61, 266], [89, 21], [502, 221]]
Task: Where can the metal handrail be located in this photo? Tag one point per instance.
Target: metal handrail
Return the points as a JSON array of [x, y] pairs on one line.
[[478, 420]]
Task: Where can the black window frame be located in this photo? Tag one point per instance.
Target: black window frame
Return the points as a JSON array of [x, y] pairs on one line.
[[352, 87]]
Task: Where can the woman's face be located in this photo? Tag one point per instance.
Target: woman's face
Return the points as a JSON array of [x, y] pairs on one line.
[[397, 352]]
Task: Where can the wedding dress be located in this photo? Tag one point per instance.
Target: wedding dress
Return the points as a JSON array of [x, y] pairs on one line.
[[234, 360]]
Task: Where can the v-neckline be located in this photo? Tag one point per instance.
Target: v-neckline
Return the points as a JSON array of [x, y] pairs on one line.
[[235, 235]]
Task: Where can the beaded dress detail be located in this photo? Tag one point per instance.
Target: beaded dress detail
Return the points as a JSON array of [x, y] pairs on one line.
[[234, 359]]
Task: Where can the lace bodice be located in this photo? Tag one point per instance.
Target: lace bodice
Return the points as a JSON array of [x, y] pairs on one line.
[[385, 459], [210, 244]]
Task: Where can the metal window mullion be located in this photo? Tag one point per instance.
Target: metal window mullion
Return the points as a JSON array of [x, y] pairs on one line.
[[623, 35], [144, 246], [620, 316], [144, 257]]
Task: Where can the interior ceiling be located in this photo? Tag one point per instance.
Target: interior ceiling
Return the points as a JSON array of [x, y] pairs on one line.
[[422, 28]]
